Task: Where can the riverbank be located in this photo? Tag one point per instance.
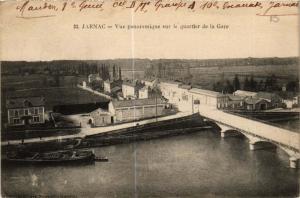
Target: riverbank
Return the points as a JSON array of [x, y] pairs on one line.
[[123, 133]]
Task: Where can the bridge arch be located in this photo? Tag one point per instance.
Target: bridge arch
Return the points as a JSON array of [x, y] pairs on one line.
[[227, 131], [257, 143], [294, 157]]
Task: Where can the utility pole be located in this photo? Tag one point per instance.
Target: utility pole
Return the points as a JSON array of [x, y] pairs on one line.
[[192, 104], [156, 105]]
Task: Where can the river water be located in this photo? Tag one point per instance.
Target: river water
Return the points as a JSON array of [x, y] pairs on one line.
[[195, 165], [293, 125]]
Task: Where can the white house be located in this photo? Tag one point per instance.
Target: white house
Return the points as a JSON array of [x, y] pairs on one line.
[[170, 90], [209, 98], [150, 82], [109, 85], [94, 77], [144, 93], [84, 84], [25, 111], [129, 90], [100, 117], [187, 98]]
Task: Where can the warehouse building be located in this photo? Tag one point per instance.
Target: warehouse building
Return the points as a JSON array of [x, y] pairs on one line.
[[128, 110]]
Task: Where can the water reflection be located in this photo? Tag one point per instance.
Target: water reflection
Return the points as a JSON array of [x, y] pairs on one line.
[[194, 165]]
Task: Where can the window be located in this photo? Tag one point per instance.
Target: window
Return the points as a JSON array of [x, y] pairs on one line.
[[36, 119], [26, 112], [36, 111], [16, 121], [16, 113], [10, 113]]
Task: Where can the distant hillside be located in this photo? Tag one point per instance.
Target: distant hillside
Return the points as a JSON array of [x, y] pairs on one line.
[[143, 64], [203, 72]]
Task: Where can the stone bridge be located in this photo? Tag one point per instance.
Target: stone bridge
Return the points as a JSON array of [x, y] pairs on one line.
[[259, 134]]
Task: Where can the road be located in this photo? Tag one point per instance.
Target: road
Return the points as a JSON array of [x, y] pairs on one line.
[[97, 130]]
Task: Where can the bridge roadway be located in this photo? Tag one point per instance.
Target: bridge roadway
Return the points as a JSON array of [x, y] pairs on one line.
[[255, 130]]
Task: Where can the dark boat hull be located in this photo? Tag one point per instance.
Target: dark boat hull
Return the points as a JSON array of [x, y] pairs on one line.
[[89, 157]]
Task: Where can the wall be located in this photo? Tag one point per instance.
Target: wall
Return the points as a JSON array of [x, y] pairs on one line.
[[107, 87], [143, 93], [101, 120], [135, 113], [128, 91]]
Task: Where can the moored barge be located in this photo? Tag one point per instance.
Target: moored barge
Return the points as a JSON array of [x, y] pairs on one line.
[[58, 157]]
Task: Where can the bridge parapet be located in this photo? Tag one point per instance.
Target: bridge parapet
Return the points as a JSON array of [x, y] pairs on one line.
[[258, 142]]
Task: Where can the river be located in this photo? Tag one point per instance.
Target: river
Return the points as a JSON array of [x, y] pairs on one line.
[[293, 125], [195, 165]]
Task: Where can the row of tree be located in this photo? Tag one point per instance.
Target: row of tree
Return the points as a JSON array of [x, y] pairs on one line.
[[270, 84], [117, 73], [58, 68], [170, 71]]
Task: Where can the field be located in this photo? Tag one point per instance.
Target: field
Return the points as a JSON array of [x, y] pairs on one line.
[[206, 76]]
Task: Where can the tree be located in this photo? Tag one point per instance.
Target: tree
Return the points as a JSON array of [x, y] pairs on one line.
[[236, 83], [293, 85], [214, 87], [228, 88], [274, 85], [120, 74], [261, 86], [252, 84], [56, 79], [105, 72], [114, 73], [218, 87], [102, 72], [247, 84], [159, 74], [96, 85]]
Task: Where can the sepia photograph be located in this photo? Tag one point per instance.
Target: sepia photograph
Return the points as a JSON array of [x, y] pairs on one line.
[[158, 98]]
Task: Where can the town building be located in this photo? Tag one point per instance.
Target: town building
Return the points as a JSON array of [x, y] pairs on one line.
[[110, 84], [234, 102], [94, 77], [144, 92], [128, 110], [147, 92], [83, 84], [25, 111], [243, 93], [130, 89], [107, 86], [209, 98], [184, 96], [116, 90], [290, 103], [255, 104], [151, 83], [170, 90], [275, 100], [100, 117]]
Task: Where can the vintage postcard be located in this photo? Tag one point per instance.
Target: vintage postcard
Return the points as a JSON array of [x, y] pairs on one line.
[[150, 98]]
